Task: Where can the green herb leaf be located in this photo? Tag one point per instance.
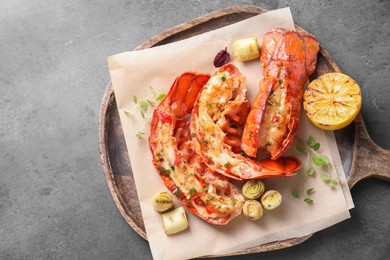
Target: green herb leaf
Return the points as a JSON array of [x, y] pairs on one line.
[[316, 146], [150, 102], [311, 141], [332, 183], [268, 143], [302, 149], [295, 194], [226, 164], [144, 105], [127, 113], [320, 160], [310, 191], [310, 171], [310, 147], [325, 177], [160, 97], [142, 114], [135, 99], [235, 201], [140, 134], [223, 78], [308, 201]]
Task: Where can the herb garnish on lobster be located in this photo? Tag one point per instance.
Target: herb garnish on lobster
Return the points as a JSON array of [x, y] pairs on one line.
[[217, 121], [205, 193], [288, 59]]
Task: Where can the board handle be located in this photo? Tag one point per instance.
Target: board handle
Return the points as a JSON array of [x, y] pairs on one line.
[[370, 159]]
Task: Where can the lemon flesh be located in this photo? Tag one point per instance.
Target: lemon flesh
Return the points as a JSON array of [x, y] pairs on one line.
[[332, 101]]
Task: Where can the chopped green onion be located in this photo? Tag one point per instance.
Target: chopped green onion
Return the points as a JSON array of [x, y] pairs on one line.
[[163, 170], [192, 191], [177, 192]]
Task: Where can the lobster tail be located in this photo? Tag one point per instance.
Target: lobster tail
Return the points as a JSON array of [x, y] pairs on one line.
[[288, 59]]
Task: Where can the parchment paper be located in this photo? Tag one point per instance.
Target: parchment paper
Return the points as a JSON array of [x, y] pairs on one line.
[[132, 74]]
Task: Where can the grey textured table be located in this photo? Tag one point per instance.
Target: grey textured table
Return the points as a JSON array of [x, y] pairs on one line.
[[54, 200]]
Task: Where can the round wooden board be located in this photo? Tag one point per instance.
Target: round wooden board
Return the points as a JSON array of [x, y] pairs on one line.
[[359, 154]]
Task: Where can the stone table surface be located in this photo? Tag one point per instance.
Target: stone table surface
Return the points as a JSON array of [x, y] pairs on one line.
[[54, 199]]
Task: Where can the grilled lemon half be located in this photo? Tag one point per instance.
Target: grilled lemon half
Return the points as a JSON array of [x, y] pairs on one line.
[[332, 101]]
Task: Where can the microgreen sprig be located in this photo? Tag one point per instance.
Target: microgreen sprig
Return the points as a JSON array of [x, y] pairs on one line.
[[301, 192], [310, 147], [143, 106]]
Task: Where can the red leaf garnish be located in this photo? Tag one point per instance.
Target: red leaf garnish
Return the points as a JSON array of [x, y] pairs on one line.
[[221, 58]]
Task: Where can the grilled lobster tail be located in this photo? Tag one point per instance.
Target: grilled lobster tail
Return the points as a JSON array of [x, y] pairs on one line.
[[288, 59], [219, 102], [202, 191]]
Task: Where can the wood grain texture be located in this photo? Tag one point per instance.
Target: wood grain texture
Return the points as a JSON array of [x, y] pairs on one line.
[[360, 156], [369, 160]]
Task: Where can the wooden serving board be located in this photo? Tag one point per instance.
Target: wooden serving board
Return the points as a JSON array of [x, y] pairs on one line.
[[361, 157]]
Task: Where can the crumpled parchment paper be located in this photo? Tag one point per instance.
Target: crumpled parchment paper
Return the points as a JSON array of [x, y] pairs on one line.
[[134, 72]]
